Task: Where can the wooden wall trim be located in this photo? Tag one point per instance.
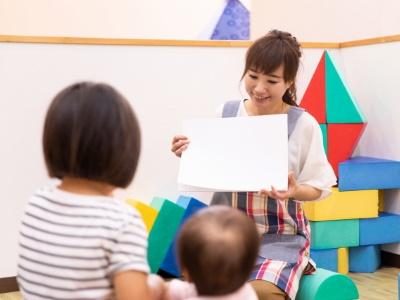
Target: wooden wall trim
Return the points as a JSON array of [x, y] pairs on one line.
[[184, 43], [128, 42], [8, 284], [141, 42], [372, 41]]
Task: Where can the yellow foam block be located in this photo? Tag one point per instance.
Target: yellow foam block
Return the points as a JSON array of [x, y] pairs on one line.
[[344, 205], [381, 201], [343, 260], [148, 213]]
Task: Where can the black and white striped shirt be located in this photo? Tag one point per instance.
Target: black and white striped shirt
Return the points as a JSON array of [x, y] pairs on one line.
[[71, 245]]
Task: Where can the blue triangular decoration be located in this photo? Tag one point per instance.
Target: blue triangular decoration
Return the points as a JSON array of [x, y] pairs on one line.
[[233, 23]]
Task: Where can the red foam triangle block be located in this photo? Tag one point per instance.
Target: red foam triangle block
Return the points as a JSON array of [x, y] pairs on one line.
[[314, 96], [342, 140]]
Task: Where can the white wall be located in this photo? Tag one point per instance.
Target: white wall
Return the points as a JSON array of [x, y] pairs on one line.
[[372, 73], [326, 20], [164, 84], [150, 19]]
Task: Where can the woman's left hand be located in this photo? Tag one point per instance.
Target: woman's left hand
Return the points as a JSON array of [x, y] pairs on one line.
[[282, 195]]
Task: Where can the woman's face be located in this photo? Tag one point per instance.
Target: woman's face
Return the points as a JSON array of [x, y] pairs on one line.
[[266, 90]]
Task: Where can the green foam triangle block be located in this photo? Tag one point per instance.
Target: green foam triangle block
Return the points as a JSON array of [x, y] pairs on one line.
[[324, 136], [340, 105], [326, 285], [163, 232]]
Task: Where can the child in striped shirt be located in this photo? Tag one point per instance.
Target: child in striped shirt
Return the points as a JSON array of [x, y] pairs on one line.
[[76, 240]]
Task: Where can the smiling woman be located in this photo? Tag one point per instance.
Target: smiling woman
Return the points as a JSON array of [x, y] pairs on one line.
[[269, 77]]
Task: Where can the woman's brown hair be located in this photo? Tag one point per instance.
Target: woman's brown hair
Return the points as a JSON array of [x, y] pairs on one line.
[[271, 51]]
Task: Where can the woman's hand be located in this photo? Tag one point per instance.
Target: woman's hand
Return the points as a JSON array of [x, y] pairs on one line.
[[179, 144], [282, 195], [300, 192]]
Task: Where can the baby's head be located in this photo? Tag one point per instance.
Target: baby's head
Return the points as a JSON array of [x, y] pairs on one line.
[[217, 249], [91, 132]]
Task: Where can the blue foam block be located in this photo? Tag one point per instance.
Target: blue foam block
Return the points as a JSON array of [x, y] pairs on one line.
[[326, 259], [170, 263], [364, 259], [368, 173], [382, 230], [183, 200]]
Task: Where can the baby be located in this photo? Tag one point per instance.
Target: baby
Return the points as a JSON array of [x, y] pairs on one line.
[[217, 249]]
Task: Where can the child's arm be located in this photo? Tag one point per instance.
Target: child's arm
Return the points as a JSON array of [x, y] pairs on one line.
[[131, 285]]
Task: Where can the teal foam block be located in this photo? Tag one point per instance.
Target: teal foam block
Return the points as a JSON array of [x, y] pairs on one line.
[[163, 232], [326, 285], [369, 173], [170, 263], [326, 259], [157, 202], [324, 136], [364, 259], [340, 104], [334, 234], [382, 230]]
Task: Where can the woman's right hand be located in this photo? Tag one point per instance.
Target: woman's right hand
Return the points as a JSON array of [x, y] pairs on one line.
[[179, 144]]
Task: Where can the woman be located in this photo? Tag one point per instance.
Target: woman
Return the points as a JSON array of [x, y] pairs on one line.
[[269, 77]]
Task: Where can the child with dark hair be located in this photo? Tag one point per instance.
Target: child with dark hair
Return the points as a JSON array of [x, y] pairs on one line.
[[76, 240], [217, 249]]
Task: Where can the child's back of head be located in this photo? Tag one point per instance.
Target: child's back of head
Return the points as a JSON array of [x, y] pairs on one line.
[[217, 248], [91, 132]]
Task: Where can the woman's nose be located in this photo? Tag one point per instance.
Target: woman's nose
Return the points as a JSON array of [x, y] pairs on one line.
[[260, 87]]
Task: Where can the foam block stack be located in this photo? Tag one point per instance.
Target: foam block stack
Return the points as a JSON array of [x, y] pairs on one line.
[[170, 264], [167, 217], [347, 228], [329, 100], [163, 218], [163, 232]]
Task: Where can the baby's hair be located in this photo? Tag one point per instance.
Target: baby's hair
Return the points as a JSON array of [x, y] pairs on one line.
[[218, 248], [271, 51], [91, 132]]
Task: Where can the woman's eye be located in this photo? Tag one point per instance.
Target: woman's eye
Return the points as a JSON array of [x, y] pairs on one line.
[[272, 82], [252, 76]]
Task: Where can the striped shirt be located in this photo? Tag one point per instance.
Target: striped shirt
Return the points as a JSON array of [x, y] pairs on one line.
[[71, 245]]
